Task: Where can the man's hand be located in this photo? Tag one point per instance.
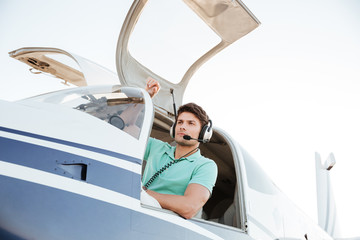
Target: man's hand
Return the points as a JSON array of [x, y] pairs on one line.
[[152, 86]]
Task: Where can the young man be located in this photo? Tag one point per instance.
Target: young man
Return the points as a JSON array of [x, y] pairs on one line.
[[179, 177]]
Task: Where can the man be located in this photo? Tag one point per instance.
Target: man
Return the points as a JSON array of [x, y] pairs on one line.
[[179, 177]]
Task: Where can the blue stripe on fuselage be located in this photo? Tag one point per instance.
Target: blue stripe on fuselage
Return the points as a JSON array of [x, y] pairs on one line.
[[72, 144], [33, 211], [56, 162]]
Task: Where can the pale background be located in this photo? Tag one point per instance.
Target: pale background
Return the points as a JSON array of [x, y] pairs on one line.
[[286, 90]]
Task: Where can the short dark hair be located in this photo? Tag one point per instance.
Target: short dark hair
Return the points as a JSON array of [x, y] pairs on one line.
[[195, 109]]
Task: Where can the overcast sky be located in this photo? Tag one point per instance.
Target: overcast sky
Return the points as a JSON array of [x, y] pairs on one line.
[[286, 90]]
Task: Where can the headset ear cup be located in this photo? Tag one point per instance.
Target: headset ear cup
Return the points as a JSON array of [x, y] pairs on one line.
[[207, 135], [206, 132]]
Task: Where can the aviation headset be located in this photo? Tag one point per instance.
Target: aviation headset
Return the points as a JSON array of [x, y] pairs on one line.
[[205, 133]]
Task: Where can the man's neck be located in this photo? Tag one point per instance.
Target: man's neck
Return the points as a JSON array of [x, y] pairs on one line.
[[185, 151]]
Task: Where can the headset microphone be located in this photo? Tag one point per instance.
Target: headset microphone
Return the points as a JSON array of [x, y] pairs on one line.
[[187, 137]]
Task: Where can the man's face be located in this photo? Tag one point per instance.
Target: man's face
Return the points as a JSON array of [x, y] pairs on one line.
[[187, 124]]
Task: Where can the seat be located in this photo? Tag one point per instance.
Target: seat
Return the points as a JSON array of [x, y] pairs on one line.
[[232, 213], [229, 217], [220, 209]]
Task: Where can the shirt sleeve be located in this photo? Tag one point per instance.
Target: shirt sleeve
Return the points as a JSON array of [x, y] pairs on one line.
[[148, 148], [205, 175]]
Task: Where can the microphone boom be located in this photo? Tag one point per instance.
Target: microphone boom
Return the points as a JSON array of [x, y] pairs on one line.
[[187, 137]]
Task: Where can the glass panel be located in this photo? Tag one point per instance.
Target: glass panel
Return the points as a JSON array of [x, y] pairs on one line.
[[181, 38], [64, 59], [122, 108]]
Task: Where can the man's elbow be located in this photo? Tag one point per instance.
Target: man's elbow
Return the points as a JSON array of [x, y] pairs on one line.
[[190, 211]]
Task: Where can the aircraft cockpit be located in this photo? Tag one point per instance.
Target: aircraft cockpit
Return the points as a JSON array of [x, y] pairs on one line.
[[124, 108], [128, 114]]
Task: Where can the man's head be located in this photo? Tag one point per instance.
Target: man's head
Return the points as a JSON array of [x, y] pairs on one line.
[[190, 121]]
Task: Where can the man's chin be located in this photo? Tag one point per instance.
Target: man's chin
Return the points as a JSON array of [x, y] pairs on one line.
[[184, 142]]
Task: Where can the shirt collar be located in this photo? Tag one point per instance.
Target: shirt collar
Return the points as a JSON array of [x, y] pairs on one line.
[[171, 153]]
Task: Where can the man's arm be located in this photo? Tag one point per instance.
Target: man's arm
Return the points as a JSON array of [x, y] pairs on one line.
[[187, 206]]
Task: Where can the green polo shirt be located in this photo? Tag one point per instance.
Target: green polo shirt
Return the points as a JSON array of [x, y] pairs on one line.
[[174, 180]]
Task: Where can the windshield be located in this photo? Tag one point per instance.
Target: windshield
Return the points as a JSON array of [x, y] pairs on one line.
[[121, 107]]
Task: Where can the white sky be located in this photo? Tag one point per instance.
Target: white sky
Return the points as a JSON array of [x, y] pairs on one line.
[[286, 90]]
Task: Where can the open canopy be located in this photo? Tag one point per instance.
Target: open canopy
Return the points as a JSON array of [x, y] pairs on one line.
[[64, 65], [229, 19]]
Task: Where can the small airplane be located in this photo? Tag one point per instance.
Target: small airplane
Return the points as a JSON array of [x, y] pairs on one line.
[[71, 164]]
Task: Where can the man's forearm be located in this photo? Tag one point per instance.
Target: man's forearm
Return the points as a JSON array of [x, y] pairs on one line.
[[182, 205]]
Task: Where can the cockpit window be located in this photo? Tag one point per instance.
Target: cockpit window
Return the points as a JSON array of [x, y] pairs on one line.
[[121, 107], [257, 178], [117, 108]]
